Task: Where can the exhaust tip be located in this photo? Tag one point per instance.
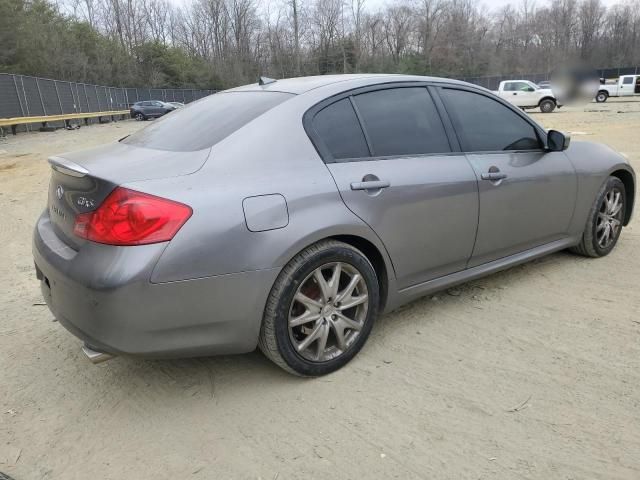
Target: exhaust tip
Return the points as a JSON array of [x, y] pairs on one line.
[[96, 357]]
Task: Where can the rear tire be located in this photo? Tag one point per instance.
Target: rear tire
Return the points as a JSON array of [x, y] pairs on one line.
[[601, 97], [547, 106], [604, 216], [140, 117], [322, 333]]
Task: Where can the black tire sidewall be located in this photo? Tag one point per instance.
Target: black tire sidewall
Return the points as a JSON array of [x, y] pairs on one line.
[[547, 102], [281, 328], [609, 184], [601, 97]]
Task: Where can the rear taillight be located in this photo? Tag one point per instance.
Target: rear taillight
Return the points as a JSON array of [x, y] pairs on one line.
[[127, 217]]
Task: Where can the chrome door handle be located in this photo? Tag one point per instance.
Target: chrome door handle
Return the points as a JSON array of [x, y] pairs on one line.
[[370, 185], [493, 176]]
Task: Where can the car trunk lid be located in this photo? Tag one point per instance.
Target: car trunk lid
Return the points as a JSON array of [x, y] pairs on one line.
[[80, 181]]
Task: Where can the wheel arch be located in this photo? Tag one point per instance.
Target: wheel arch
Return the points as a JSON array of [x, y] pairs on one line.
[[547, 98], [374, 255], [626, 177], [372, 249]]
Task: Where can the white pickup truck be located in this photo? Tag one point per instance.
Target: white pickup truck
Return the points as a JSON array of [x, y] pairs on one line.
[[625, 86], [526, 94]]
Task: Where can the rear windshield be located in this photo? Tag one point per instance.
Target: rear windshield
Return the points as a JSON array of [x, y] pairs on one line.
[[204, 123]]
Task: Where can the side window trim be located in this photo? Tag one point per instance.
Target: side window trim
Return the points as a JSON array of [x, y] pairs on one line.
[[396, 157], [361, 123], [452, 135], [325, 154], [541, 134]]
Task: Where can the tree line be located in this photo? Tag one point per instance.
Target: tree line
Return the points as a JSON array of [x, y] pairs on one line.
[[222, 43]]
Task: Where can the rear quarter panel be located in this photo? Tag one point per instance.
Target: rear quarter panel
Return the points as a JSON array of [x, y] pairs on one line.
[[271, 155]]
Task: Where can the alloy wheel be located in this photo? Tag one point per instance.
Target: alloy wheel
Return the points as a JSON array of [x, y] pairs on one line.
[[328, 312], [609, 218]]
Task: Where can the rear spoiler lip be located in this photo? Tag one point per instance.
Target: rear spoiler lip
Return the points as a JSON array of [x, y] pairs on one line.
[[67, 167]]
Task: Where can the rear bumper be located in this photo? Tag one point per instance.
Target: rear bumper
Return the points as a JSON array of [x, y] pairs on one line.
[[103, 295]]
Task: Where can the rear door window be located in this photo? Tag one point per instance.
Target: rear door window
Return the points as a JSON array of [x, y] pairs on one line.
[[401, 121], [204, 123], [484, 124], [338, 128]]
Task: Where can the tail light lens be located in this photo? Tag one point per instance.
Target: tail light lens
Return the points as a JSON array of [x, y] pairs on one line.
[[127, 217]]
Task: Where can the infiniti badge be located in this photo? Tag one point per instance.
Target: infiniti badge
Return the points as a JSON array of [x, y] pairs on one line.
[[59, 192]]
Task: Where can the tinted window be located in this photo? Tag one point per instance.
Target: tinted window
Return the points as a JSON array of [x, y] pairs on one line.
[[402, 121], [338, 127], [627, 80], [518, 87], [483, 124], [204, 123]]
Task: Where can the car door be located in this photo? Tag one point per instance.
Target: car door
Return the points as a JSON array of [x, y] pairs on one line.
[[392, 161], [626, 86], [146, 108], [527, 194], [157, 108], [525, 94], [512, 95]]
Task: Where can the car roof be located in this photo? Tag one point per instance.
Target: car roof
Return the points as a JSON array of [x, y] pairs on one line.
[[301, 85]]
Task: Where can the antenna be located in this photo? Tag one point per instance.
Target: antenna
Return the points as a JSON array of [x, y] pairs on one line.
[[266, 80]]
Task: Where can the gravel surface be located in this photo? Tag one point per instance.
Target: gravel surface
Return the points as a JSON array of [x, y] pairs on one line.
[[529, 373]]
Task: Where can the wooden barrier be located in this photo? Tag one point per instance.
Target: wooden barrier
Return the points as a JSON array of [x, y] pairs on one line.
[[15, 121]]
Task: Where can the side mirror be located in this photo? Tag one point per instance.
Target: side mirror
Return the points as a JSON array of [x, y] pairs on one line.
[[531, 89], [557, 141]]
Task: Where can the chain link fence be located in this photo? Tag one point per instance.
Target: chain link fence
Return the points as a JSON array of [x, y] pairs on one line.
[[24, 96], [493, 81]]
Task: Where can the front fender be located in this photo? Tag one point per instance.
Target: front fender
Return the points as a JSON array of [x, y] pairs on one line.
[[594, 163]]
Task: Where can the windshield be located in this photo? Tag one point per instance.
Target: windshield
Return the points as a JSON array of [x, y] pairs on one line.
[[204, 123]]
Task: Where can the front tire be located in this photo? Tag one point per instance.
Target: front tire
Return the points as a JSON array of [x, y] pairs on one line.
[[320, 310], [604, 224], [601, 97], [547, 106]]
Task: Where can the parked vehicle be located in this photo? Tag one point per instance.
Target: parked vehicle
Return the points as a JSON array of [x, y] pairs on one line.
[[625, 86], [526, 94], [291, 214], [150, 109]]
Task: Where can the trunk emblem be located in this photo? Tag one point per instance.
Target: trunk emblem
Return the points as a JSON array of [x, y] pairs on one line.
[[59, 192], [85, 202]]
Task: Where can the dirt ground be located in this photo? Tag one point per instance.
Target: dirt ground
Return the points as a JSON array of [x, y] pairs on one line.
[[533, 373]]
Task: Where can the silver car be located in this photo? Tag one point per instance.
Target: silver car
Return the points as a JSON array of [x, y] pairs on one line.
[[290, 214]]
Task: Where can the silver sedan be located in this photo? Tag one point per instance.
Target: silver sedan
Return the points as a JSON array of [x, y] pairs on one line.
[[290, 214]]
